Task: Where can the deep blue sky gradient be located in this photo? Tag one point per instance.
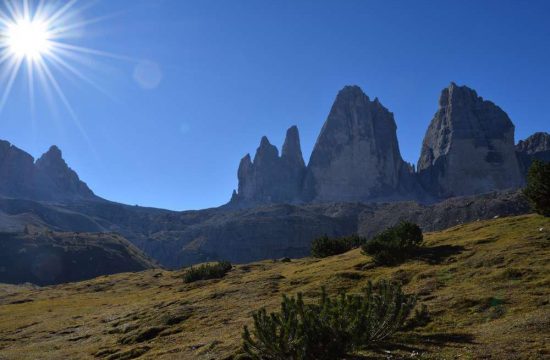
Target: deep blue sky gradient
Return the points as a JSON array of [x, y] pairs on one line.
[[236, 70]]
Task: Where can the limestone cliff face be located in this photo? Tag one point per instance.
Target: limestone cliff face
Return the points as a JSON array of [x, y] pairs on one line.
[[468, 147], [16, 170], [56, 180], [356, 156], [536, 146], [271, 178], [49, 178]]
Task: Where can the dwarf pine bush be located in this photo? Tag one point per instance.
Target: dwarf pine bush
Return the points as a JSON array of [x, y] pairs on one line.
[[207, 271], [395, 244], [325, 246], [329, 329]]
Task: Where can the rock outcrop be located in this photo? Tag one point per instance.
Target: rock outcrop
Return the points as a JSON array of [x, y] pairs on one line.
[[536, 146], [49, 178], [356, 156], [56, 180], [469, 147], [16, 171], [271, 178]]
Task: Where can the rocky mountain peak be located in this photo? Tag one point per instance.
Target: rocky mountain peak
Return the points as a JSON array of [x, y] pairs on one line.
[[292, 150], [356, 156], [270, 178], [266, 153], [468, 135], [49, 178], [536, 146], [538, 142], [53, 159]]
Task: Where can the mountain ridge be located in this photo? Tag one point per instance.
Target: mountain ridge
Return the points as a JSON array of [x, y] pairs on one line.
[[357, 158]]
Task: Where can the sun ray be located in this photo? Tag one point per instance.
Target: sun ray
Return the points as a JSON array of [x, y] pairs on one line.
[[12, 75], [39, 35]]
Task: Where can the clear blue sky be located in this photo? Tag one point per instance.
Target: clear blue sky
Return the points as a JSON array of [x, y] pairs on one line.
[[233, 71]]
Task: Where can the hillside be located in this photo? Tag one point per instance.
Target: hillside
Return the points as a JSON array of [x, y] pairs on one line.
[[485, 284], [46, 257], [176, 239]]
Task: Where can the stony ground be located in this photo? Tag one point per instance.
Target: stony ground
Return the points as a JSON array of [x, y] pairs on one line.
[[486, 284]]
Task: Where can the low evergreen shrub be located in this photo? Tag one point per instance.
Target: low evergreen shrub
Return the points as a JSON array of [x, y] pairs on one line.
[[329, 329], [325, 246], [395, 244], [207, 271]]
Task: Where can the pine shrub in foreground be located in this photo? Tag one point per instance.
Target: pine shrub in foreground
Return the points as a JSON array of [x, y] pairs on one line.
[[329, 329], [395, 244], [207, 271], [325, 246]]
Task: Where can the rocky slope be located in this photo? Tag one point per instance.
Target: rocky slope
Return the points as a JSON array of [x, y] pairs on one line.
[[45, 257], [176, 239], [485, 285]]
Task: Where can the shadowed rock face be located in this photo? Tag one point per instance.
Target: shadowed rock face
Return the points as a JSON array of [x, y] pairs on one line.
[[16, 170], [536, 146], [468, 147], [270, 178], [356, 156], [49, 178]]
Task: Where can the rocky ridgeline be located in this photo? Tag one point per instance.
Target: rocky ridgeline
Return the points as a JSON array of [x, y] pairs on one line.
[[49, 178], [468, 149]]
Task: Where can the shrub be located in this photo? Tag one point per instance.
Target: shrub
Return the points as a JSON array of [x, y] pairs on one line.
[[538, 187], [207, 271], [394, 245], [325, 246], [329, 329]]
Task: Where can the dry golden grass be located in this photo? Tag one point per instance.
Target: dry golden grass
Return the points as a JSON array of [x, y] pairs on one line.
[[486, 285]]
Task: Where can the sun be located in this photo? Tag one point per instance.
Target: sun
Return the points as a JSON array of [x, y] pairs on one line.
[[41, 40], [28, 39]]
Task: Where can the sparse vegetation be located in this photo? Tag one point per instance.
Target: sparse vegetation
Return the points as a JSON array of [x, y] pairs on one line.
[[330, 329], [325, 246], [538, 187], [478, 309], [207, 271], [395, 244]]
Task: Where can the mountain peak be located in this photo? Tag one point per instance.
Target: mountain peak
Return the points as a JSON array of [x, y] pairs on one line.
[[291, 148], [265, 152]]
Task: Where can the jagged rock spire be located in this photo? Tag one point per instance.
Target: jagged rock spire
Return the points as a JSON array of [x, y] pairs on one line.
[[270, 178], [292, 150], [468, 147]]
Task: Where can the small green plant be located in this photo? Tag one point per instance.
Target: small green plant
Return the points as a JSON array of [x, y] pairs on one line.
[[329, 329], [207, 271], [325, 246], [395, 244], [538, 187]]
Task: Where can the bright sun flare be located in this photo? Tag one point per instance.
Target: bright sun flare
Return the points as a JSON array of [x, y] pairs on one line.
[[29, 39], [38, 42]]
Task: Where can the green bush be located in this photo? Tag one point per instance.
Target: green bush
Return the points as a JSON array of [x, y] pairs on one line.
[[394, 245], [325, 246], [207, 271], [330, 329], [538, 187]]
